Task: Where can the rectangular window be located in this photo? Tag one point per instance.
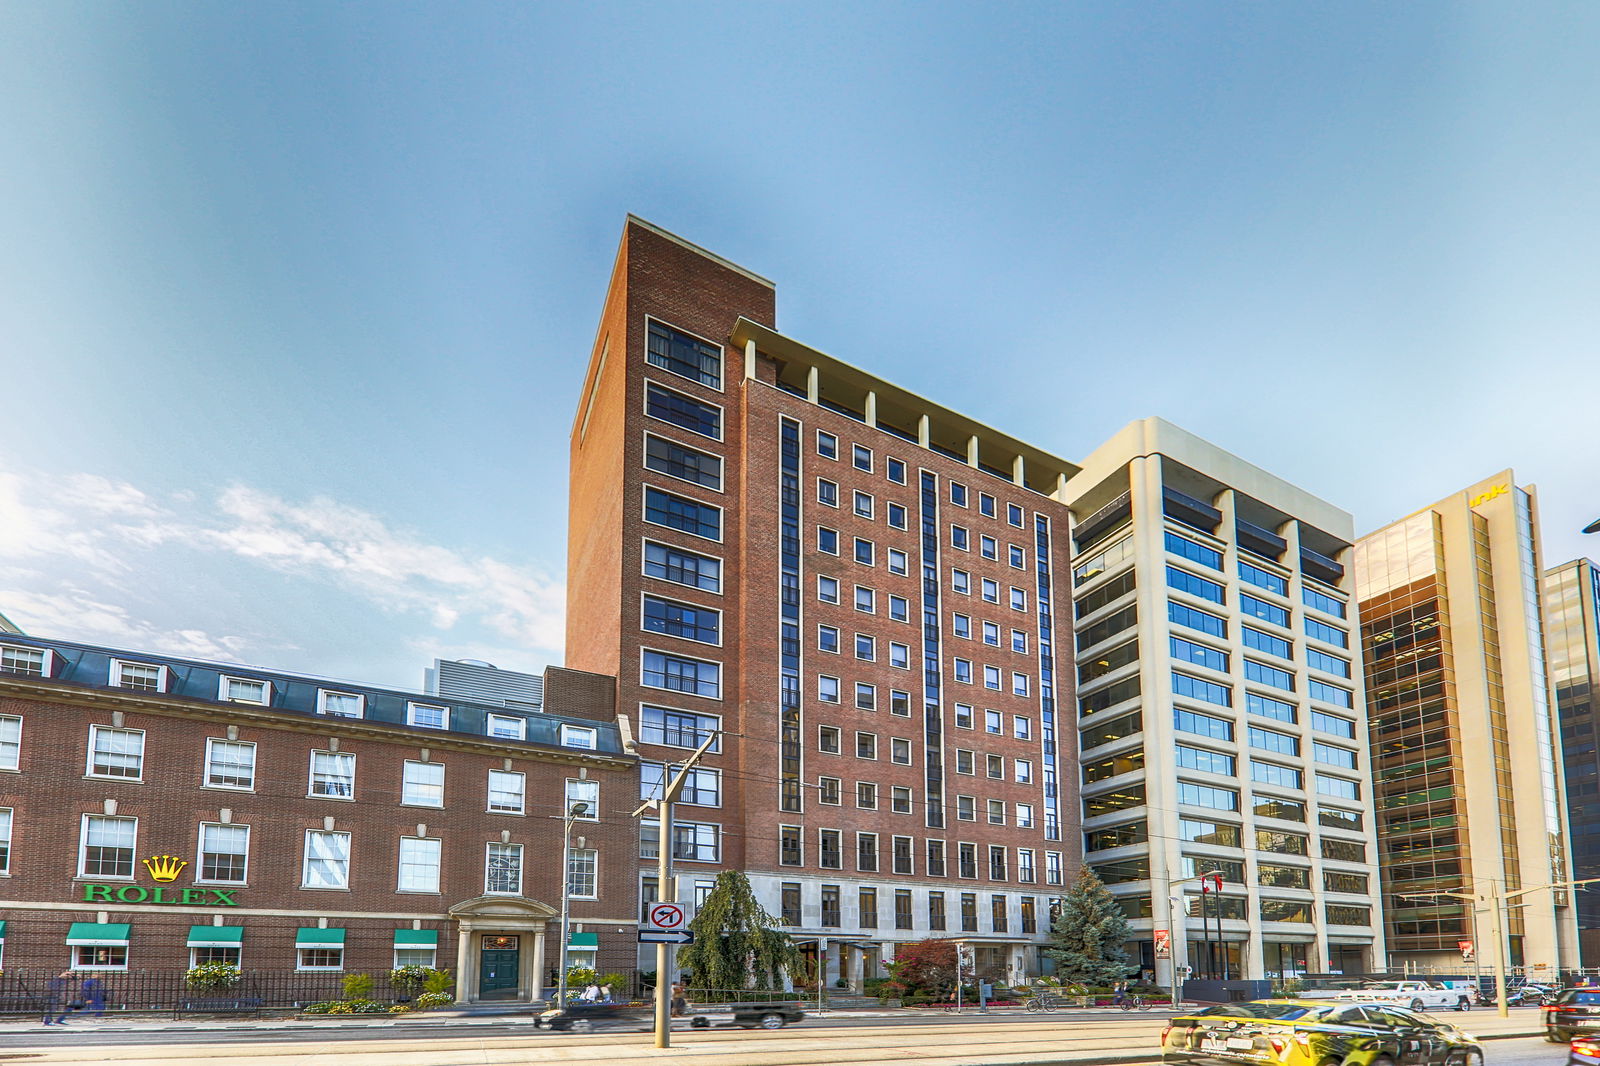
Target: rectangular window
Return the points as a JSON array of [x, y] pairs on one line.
[[962, 669], [961, 582], [1197, 689], [1332, 723], [1337, 786], [867, 907], [1285, 810], [5, 840], [1184, 581], [679, 353], [420, 860], [1277, 842], [686, 464], [936, 914], [993, 722], [663, 508], [1204, 725], [867, 852], [831, 916], [991, 677], [680, 674], [895, 470], [866, 745], [900, 799], [827, 492], [1261, 641], [1326, 633], [1321, 690], [899, 609], [896, 516], [1022, 771], [245, 690], [1334, 881], [861, 457], [1220, 834], [502, 872], [107, 846], [991, 591], [866, 600], [961, 626], [1016, 557], [583, 871], [862, 504], [1211, 762], [969, 912], [827, 589], [967, 860], [30, 662], [866, 648], [1267, 612], [828, 739], [340, 704], [1264, 579], [1019, 684], [1270, 773], [1199, 654], [1019, 599], [586, 792], [864, 551], [897, 562], [675, 619], [1337, 819], [996, 812], [1014, 515], [827, 689], [790, 846], [1052, 867], [230, 764], [1267, 707], [1194, 618], [428, 716], [327, 860], [507, 791], [680, 729], [145, 677], [1344, 850], [966, 809], [958, 494], [333, 773], [682, 567], [986, 505], [1274, 741], [866, 697], [1322, 602], [505, 726], [828, 639], [1330, 755], [829, 856], [963, 716], [117, 753], [1019, 641], [1024, 816], [422, 784], [10, 741], [320, 958], [1328, 664], [1263, 674], [1195, 553], [1218, 799], [827, 445], [697, 841], [936, 858], [669, 405]]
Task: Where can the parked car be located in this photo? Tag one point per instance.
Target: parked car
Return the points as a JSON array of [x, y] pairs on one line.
[[755, 1016], [1524, 995], [580, 1017], [1573, 1012], [1293, 1032], [1417, 995]]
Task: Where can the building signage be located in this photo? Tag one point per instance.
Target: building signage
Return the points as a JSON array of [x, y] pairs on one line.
[[1488, 494], [1468, 950], [165, 869], [1163, 944]]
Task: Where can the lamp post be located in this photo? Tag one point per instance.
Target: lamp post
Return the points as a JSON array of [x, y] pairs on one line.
[[1497, 903], [577, 810]]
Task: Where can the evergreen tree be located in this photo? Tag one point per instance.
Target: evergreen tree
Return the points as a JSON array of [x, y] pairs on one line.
[[737, 944], [1089, 934]]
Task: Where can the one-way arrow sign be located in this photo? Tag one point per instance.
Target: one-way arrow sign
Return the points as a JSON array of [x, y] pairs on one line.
[[665, 936]]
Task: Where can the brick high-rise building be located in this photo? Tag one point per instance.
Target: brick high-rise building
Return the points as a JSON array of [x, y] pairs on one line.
[[864, 590]]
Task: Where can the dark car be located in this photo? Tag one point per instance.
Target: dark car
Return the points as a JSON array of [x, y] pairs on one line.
[[1573, 1012], [1291, 1032], [764, 1015], [579, 1017]]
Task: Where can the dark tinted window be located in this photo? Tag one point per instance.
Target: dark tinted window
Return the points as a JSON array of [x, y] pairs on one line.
[[1586, 999], [1272, 1009]]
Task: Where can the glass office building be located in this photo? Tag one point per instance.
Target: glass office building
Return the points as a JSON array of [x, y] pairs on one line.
[[1572, 633]]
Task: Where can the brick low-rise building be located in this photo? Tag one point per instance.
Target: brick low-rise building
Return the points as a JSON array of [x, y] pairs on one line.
[[158, 812]]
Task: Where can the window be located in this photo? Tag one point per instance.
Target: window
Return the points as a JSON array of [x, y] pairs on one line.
[[1195, 553], [966, 809], [831, 915], [995, 767], [829, 791], [827, 492], [963, 716], [1263, 674], [682, 567], [577, 736], [867, 907], [986, 505], [1022, 771], [969, 912], [1184, 581], [895, 470], [327, 860], [1019, 599], [1019, 641], [866, 648], [422, 784], [505, 726], [991, 633], [1344, 850], [958, 494], [961, 581], [415, 955], [678, 353], [1321, 690], [1052, 867], [866, 745], [1204, 725], [1270, 773], [502, 871], [963, 671], [1026, 874], [964, 761], [1329, 664], [507, 791], [428, 716], [143, 676], [419, 865], [1332, 723], [899, 609], [33, 662], [1322, 602], [829, 856], [828, 739], [827, 589], [1337, 786], [991, 677], [867, 852], [1220, 834], [1265, 579], [1261, 641], [866, 697], [333, 774], [897, 562], [790, 849], [116, 753], [5, 840], [685, 620], [902, 908], [1197, 689], [583, 869], [1330, 755], [864, 551], [897, 516], [993, 722], [702, 787], [1274, 741], [936, 858], [1267, 612], [587, 792], [680, 729], [827, 688], [1210, 762], [861, 458], [936, 915], [107, 846], [1326, 633], [669, 405], [663, 508], [1285, 810], [866, 600], [996, 812], [100, 957], [1019, 684], [961, 626], [1219, 799], [967, 860], [1014, 515], [245, 690], [10, 741], [997, 913], [827, 445], [694, 676], [340, 704], [320, 958], [1194, 618], [1017, 557], [1267, 707], [991, 591], [900, 800], [960, 538], [1277, 842], [862, 504]]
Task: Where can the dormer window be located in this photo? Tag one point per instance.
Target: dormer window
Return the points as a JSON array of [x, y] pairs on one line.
[[245, 690], [507, 726], [576, 736], [340, 704], [31, 662], [144, 676]]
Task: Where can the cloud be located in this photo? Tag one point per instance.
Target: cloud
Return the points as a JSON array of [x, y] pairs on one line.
[[102, 531]]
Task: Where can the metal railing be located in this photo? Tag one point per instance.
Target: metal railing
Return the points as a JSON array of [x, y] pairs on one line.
[[29, 991]]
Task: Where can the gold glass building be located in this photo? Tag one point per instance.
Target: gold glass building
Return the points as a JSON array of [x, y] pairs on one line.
[[1464, 756]]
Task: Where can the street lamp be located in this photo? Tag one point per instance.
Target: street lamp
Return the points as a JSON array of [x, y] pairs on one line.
[[577, 810], [1497, 904]]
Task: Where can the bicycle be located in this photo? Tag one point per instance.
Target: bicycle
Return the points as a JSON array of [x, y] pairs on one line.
[[1040, 1001], [1134, 1002]]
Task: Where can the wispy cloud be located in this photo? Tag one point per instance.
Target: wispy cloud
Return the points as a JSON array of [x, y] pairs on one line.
[[102, 532]]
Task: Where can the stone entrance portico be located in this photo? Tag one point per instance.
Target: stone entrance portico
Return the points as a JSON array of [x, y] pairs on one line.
[[501, 916]]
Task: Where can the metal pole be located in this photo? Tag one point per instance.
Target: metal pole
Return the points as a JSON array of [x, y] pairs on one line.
[[1205, 926], [1499, 949], [1172, 947], [666, 892], [566, 908]]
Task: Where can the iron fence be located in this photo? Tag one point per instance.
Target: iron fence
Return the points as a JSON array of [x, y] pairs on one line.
[[29, 991]]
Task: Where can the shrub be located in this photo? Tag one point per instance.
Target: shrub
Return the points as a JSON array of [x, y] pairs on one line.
[[438, 982], [581, 977], [429, 1000], [408, 979], [358, 987], [213, 976], [347, 1006], [621, 984]]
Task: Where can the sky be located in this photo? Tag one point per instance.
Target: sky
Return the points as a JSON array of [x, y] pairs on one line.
[[296, 299]]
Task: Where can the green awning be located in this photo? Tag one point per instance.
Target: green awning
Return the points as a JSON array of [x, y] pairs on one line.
[[216, 936], [95, 935], [319, 938], [2, 929], [584, 940], [416, 938]]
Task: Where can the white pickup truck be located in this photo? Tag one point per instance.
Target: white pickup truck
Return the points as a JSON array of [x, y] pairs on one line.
[[1418, 995]]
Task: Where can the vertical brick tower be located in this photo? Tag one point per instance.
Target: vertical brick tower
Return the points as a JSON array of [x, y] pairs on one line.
[[864, 590]]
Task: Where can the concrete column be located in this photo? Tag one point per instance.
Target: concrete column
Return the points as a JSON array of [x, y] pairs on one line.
[[749, 359], [463, 959], [857, 959], [871, 409], [1019, 470], [812, 390], [922, 430], [537, 984], [972, 451]]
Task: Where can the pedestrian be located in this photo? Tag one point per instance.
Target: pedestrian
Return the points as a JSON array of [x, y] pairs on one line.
[[605, 994], [1121, 989], [58, 998], [94, 996], [591, 993], [680, 1002]]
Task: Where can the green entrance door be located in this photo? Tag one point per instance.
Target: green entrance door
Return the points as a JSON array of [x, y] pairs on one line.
[[499, 968]]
